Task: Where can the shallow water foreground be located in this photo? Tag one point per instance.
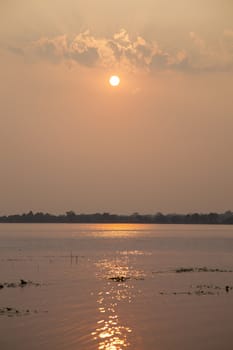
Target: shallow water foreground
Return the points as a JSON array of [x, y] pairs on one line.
[[112, 287]]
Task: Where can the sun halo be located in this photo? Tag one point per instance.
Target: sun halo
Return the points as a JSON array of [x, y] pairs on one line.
[[114, 80]]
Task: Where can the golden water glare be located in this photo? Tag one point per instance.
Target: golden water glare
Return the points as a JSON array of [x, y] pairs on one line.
[[111, 332]]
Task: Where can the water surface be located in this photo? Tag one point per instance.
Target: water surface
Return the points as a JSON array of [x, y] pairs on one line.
[[116, 287]]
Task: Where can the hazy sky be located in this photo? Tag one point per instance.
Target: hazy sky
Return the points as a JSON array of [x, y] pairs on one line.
[[161, 141]]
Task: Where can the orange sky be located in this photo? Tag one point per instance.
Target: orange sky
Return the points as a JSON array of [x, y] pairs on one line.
[[161, 141]]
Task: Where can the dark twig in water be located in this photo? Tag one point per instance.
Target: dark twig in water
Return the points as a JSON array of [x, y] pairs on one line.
[[119, 278]]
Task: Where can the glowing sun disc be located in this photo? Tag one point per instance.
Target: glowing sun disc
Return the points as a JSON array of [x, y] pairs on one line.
[[114, 80]]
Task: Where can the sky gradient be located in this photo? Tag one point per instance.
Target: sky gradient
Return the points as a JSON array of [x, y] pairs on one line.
[[161, 141]]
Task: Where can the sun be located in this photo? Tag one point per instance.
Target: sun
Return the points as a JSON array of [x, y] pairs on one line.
[[114, 80]]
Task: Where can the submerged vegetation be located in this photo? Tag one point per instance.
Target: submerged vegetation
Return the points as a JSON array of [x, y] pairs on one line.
[[200, 269], [22, 283], [158, 218]]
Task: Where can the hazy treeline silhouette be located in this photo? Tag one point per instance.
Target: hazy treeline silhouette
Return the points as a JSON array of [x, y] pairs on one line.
[[158, 218]]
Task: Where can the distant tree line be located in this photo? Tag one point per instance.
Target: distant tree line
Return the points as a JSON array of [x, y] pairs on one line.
[[158, 218]]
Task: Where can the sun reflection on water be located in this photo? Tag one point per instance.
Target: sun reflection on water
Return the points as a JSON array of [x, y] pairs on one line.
[[119, 230], [112, 333]]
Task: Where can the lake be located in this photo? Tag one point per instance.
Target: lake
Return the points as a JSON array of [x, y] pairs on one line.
[[113, 286]]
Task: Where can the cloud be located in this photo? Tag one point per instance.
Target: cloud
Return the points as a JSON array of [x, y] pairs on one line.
[[165, 61], [16, 50], [215, 57], [122, 51], [53, 50]]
